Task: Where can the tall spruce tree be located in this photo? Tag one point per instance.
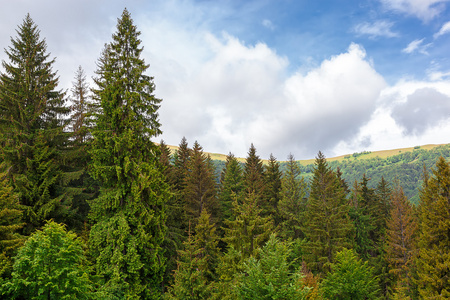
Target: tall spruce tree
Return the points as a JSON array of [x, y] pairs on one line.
[[434, 234], [32, 125], [328, 229], [129, 214]]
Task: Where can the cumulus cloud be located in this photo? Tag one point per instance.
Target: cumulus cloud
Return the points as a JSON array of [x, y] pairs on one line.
[[425, 10], [444, 30], [243, 94], [378, 28]]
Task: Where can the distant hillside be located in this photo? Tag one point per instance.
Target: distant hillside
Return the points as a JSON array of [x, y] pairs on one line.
[[405, 165]]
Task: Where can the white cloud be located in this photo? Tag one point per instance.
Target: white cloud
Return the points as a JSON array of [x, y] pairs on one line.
[[425, 10], [380, 28], [417, 45], [243, 94], [386, 127], [268, 24], [444, 30]]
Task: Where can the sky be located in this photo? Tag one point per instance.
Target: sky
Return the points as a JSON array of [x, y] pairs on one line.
[[289, 76]]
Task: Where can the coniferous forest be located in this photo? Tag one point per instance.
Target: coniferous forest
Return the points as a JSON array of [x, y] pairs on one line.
[[92, 208]]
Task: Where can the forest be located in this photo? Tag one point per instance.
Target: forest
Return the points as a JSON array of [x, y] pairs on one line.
[[92, 208]]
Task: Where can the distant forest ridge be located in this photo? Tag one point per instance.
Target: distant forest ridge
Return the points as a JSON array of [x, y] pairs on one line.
[[357, 155], [405, 165]]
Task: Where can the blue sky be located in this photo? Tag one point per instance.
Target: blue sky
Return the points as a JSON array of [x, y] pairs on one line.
[[289, 76]]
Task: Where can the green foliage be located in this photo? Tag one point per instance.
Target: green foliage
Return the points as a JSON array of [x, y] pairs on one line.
[[350, 278], [328, 228], [32, 126], [269, 275], [10, 223], [401, 244], [244, 234], [51, 265], [197, 263], [231, 185], [200, 187], [434, 233], [272, 176], [248, 230], [254, 175], [292, 205], [130, 211]]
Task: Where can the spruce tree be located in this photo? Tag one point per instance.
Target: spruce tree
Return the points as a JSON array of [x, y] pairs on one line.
[[401, 244], [328, 228], [197, 262], [272, 177], [181, 159], [81, 107], [10, 224], [200, 187], [434, 234], [245, 233], [32, 123], [292, 205], [254, 175], [231, 186], [129, 214]]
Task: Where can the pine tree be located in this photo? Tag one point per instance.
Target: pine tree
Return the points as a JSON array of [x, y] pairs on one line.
[[31, 116], [434, 234], [231, 186], [328, 229], [129, 214], [292, 205], [400, 243], [200, 187], [10, 223]]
